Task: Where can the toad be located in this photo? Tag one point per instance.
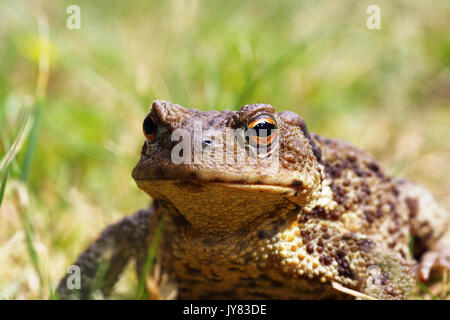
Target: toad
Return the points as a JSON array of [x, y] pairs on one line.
[[249, 204]]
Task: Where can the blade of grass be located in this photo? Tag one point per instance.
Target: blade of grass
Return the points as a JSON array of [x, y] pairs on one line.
[[23, 205], [3, 186], [100, 276], [26, 121], [423, 287], [149, 262], [41, 88], [5, 164], [444, 285], [29, 237], [411, 246], [31, 147]]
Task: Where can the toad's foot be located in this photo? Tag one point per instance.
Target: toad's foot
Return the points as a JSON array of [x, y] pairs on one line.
[[436, 259]]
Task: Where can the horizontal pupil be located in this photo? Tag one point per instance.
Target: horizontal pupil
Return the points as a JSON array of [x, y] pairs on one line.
[[267, 126]]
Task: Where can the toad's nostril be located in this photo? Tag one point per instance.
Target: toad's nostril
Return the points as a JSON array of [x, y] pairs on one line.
[[206, 143]]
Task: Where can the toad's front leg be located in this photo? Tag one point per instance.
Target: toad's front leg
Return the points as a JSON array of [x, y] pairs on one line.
[[117, 245]]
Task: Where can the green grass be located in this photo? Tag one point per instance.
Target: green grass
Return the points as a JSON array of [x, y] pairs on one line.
[[140, 292], [386, 91]]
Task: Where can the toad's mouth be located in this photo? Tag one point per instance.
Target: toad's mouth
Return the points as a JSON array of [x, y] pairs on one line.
[[191, 179], [286, 190], [195, 186]]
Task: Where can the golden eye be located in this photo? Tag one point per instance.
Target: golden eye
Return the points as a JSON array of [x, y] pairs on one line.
[[261, 131], [150, 127]]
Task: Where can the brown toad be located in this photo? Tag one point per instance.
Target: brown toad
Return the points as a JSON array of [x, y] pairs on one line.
[[268, 211]]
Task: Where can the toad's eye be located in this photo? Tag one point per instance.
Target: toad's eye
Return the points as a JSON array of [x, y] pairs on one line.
[[150, 127], [261, 131]]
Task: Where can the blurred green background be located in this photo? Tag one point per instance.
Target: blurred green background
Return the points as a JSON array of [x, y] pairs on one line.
[[387, 91]]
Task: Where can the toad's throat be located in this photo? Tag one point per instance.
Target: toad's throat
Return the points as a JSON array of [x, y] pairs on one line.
[[222, 206]]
